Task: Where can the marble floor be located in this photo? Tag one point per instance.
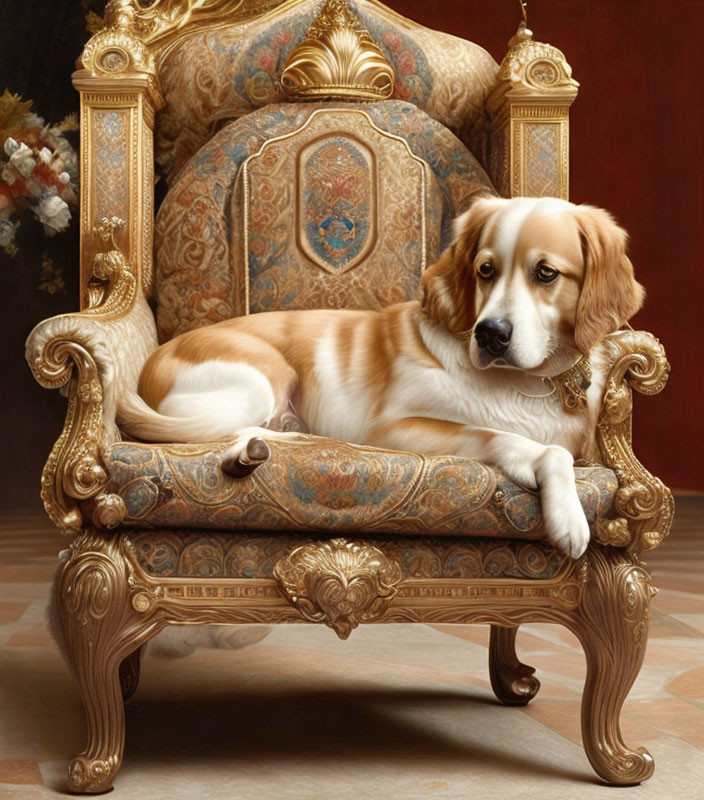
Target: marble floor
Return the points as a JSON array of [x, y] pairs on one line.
[[398, 711]]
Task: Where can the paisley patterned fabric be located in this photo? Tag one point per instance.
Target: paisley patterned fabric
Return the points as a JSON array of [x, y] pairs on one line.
[[254, 223], [189, 554], [227, 72], [315, 484]]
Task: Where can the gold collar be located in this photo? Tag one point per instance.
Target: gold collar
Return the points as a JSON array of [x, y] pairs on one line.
[[573, 385]]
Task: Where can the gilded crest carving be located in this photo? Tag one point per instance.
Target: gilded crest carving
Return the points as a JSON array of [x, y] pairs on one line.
[[339, 583], [338, 58]]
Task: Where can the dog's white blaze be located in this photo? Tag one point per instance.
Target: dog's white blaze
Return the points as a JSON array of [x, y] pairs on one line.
[[511, 298], [235, 395], [341, 407]]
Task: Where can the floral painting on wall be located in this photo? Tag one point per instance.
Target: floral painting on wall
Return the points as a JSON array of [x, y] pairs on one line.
[[38, 175]]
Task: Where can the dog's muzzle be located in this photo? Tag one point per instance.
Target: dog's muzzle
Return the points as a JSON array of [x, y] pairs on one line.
[[493, 335]]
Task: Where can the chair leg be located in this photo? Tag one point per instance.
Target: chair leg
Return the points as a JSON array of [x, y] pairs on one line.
[[101, 630], [513, 682], [612, 625], [129, 673]]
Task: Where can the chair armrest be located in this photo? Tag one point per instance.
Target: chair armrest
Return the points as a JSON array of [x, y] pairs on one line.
[[644, 504], [96, 354]]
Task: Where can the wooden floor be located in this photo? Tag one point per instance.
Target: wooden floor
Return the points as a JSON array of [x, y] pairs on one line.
[[398, 711]]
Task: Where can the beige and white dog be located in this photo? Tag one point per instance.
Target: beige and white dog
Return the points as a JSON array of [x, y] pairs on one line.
[[528, 288]]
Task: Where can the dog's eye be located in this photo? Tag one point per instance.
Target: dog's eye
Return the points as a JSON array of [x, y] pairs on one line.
[[486, 270], [544, 273]]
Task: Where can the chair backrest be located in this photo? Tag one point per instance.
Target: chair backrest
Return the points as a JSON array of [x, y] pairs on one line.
[[339, 203], [211, 90], [316, 205]]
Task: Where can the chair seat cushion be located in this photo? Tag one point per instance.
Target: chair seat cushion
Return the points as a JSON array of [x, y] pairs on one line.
[[312, 483]]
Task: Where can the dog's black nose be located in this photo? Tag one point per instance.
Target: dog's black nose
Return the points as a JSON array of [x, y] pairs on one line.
[[493, 334]]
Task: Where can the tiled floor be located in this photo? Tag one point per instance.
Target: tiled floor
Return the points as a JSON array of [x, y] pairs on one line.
[[402, 712]]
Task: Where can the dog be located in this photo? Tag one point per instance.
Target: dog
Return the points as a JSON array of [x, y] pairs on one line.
[[525, 294]]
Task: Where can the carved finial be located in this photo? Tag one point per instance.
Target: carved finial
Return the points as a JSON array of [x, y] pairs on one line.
[[524, 11], [118, 47], [337, 58], [120, 14], [524, 33]]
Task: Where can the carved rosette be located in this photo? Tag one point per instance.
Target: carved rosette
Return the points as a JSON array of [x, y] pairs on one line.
[[644, 505], [339, 583]]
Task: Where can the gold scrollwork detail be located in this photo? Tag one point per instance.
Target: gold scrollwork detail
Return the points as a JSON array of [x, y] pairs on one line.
[[113, 278], [337, 58], [108, 510], [60, 352], [339, 583], [73, 470], [158, 22], [642, 501], [614, 532]]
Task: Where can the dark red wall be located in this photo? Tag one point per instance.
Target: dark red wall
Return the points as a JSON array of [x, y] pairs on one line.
[[636, 149]]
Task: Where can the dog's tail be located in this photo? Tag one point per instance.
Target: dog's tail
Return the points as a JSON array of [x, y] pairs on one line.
[[141, 421]]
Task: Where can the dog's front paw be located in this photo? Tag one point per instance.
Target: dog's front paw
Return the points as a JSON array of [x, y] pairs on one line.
[[566, 526]]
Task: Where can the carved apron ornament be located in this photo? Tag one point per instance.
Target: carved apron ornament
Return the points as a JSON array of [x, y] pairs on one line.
[[339, 583]]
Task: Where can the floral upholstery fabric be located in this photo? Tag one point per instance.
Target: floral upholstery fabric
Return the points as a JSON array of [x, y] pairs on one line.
[[226, 72], [261, 220], [316, 484], [186, 553]]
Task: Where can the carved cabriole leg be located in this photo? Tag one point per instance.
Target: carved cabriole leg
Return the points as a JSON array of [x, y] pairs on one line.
[[129, 674], [513, 682], [101, 629], [612, 625]]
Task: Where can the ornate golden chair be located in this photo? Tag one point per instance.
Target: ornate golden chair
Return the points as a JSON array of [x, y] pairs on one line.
[[315, 153]]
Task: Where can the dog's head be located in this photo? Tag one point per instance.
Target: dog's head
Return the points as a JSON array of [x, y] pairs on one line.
[[533, 282]]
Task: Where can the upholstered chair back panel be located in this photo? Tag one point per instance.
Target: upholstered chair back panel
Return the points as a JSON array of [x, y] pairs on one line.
[[309, 205], [219, 74]]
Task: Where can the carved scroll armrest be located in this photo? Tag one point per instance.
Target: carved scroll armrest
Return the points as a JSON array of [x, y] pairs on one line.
[[644, 505], [94, 354]]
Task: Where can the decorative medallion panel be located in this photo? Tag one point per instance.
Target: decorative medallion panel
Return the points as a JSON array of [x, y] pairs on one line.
[[336, 202], [343, 192]]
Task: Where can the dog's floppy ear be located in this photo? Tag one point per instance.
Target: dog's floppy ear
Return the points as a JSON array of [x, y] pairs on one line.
[[610, 294], [448, 285]]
